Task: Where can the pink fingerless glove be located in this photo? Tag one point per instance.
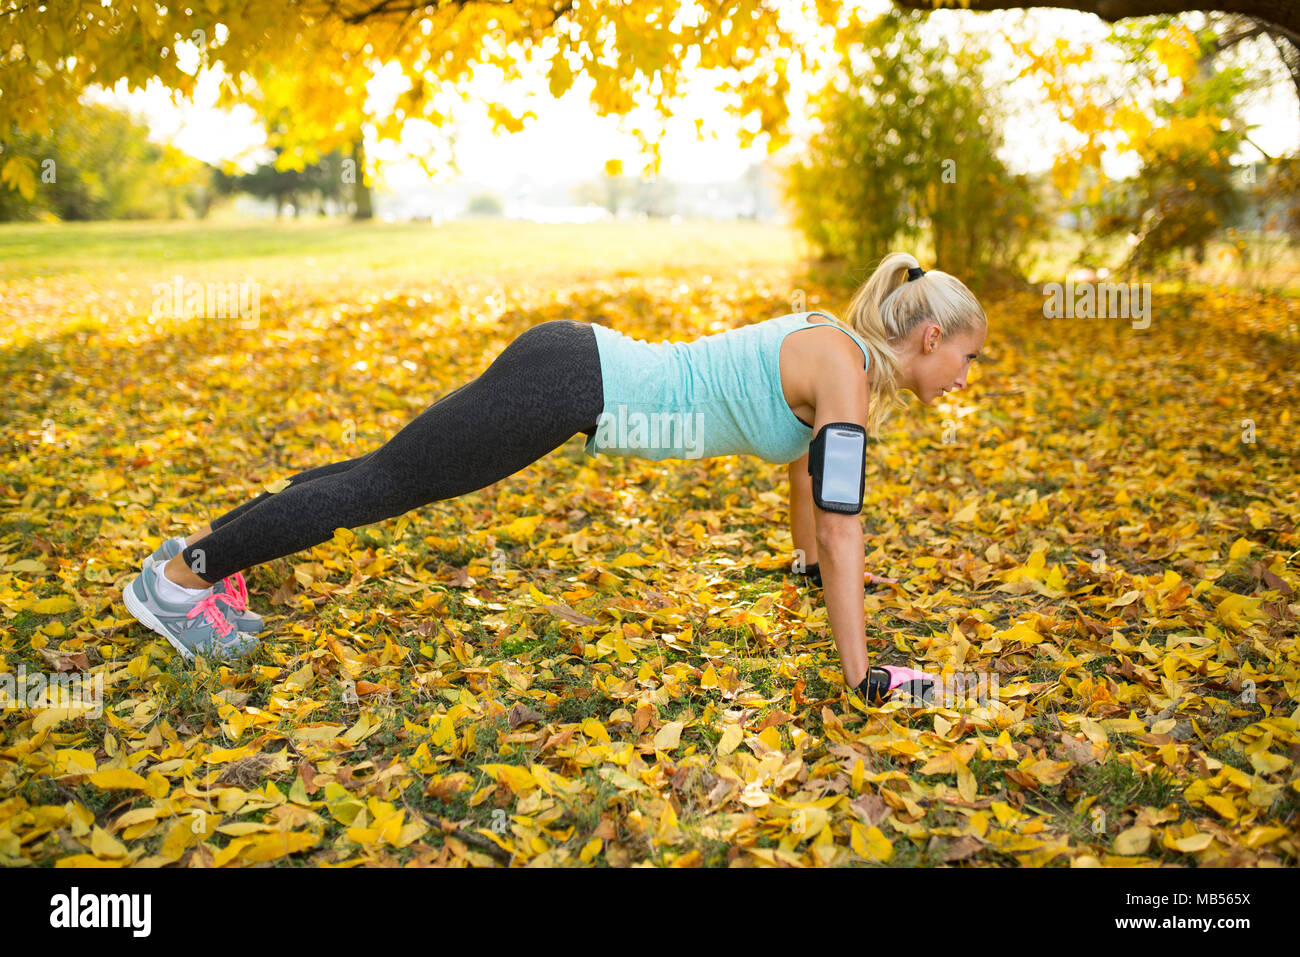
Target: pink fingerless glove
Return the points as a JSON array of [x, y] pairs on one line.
[[881, 682]]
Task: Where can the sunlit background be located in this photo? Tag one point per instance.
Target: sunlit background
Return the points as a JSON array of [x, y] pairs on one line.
[[538, 174]]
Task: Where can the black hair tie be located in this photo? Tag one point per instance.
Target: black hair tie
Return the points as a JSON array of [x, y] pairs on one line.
[[915, 272]]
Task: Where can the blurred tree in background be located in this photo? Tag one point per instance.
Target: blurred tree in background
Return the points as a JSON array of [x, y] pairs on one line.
[[1274, 23], [485, 204], [619, 192], [304, 67], [99, 164], [318, 183], [1175, 109], [1280, 196], [907, 153]]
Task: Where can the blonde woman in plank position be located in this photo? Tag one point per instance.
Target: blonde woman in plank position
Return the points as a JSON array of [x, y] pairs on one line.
[[803, 390]]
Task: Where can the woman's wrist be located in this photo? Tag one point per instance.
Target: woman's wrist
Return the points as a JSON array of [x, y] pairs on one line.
[[812, 572], [872, 687]]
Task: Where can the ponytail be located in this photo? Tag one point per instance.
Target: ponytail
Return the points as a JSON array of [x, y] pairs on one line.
[[888, 306]]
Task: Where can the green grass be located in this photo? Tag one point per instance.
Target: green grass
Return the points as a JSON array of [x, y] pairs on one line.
[[334, 248]]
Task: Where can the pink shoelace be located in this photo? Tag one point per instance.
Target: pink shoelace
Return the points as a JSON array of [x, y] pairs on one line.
[[208, 608], [237, 591]]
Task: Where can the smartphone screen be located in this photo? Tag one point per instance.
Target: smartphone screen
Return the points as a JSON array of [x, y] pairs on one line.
[[842, 466]]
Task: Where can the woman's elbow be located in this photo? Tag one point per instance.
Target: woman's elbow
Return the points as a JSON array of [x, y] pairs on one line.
[[837, 529]]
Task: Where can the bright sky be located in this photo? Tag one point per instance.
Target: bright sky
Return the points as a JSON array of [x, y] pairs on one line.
[[569, 142]]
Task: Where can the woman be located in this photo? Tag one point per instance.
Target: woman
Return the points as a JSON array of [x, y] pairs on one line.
[[804, 400]]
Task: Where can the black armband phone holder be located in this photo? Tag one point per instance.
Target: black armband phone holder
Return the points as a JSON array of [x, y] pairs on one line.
[[837, 464]]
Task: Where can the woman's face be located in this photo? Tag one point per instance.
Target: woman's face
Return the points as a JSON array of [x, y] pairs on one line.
[[941, 365]]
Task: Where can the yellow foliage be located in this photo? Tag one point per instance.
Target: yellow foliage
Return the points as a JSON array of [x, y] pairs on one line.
[[666, 688]]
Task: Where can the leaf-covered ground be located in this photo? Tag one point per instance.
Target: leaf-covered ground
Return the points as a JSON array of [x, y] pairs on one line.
[[605, 662]]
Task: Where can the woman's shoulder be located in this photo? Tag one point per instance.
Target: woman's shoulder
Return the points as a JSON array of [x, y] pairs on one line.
[[845, 340]]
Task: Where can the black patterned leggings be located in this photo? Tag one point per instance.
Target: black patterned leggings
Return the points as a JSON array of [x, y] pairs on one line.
[[541, 390]]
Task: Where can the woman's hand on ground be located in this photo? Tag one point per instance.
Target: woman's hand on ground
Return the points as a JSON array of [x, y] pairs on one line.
[[812, 573]]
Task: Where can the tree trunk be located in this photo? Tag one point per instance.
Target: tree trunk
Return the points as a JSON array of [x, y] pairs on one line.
[[362, 208]]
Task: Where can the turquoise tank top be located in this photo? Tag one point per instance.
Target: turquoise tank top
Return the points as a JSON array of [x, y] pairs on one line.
[[717, 395]]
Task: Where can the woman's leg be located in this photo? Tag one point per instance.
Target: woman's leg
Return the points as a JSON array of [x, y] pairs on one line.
[[313, 473], [543, 388], [304, 476]]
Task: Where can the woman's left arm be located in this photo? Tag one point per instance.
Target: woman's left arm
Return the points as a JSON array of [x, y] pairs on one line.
[[803, 528]]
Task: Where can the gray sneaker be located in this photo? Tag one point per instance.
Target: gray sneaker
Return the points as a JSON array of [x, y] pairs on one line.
[[245, 618], [204, 627]]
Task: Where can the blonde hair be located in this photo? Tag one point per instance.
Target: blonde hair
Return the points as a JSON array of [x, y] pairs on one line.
[[887, 307]]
